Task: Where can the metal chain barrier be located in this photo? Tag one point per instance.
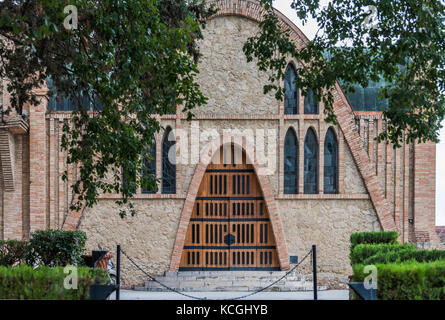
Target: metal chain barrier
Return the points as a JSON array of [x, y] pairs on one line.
[[154, 279], [199, 298], [276, 281]]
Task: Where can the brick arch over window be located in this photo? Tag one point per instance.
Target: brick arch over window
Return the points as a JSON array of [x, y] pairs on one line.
[[251, 9], [272, 208]]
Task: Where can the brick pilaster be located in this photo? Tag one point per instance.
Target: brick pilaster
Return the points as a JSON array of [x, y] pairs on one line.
[[12, 200], [406, 195], [37, 166], [425, 188], [397, 183]]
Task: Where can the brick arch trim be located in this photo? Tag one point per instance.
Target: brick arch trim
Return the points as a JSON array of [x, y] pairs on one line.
[[251, 9], [345, 119], [274, 216]]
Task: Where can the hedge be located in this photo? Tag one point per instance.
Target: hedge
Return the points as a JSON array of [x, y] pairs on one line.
[[361, 252], [45, 283], [407, 281], [12, 252], [405, 255], [388, 237], [56, 247]]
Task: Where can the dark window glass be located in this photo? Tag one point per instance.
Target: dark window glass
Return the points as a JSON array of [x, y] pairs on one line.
[[330, 162], [290, 163], [168, 168], [149, 168], [367, 99], [291, 92], [60, 103], [310, 105], [310, 163]]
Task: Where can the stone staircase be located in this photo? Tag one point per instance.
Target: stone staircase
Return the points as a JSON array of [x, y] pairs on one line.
[[240, 281]]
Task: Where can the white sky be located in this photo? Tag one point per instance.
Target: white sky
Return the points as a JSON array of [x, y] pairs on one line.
[[309, 29]]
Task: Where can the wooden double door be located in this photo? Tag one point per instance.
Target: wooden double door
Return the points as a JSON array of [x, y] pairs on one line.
[[229, 228]]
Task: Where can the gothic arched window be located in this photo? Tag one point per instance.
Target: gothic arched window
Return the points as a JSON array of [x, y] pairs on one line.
[[290, 163], [330, 162], [291, 92], [310, 163], [310, 105], [149, 169], [168, 167]]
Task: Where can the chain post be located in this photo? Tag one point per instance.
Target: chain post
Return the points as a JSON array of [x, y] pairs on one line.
[[314, 270], [118, 272]]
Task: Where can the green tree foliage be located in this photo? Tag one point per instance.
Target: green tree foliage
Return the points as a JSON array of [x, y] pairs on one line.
[[134, 58], [404, 46]]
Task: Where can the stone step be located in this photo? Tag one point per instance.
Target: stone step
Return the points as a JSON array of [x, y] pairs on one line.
[[222, 273], [233, 289], [176, 284], [231, 276], [240, 281], [268, 280]]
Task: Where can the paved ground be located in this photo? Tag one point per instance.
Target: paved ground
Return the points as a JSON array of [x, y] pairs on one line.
[[308, 295]]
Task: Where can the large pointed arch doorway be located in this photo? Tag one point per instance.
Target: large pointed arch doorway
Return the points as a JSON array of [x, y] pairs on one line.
[[230, 227]]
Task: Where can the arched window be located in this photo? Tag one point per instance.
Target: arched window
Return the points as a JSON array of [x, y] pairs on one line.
[[330, 162], [290, 163], [310, 105], [168, 167], [291, 92], [149, 169], [310, 163]]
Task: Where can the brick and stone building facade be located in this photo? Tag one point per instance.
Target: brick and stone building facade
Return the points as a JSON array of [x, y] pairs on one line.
[[378, 187]]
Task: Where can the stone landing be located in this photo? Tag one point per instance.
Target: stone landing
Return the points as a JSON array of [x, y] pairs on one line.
[[239, 281]]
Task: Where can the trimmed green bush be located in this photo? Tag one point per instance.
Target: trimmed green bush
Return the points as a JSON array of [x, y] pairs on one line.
[[12, 252], [56, 247], [45, 283], [407, 281], [362, 252], [403, 255], [387, 237]]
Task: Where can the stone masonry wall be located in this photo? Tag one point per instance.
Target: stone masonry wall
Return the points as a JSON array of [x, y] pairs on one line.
[[232, 85], [147, 237]]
